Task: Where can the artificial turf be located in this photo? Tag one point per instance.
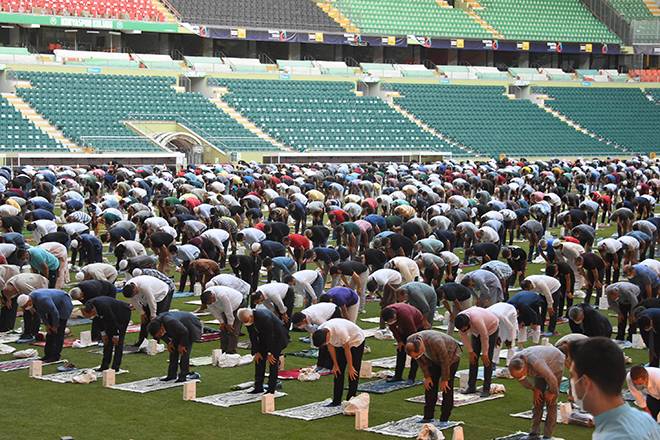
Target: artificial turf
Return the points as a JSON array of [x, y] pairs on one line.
[[37, 409]]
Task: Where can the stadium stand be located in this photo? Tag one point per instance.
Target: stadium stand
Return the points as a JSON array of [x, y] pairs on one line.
[[248, 65], [632, 9], [18, 135], [558, 75], [592, 75], [556, 20], [151, 61], [17, 55], [528, 74], [324, 116], [415, 71], [405, 17], [299, 67], [267, 14], [382, 70], [622, 115], [335, 68], [139, 10], [655, 94], [99, 59], [207, 64], [490, 73], [483, 118], [645, 75], [457, 72], [90, 109]]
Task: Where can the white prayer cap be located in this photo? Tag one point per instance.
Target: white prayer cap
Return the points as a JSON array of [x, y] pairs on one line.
[[123, 264], [256, 247], [74, 244], [22, 300], [136, 272], [80, 276]]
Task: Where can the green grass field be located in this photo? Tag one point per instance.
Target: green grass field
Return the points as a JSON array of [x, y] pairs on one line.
[[45, 410]]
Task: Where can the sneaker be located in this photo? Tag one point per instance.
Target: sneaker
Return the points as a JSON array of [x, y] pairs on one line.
[[167, 378], [484, 394], [332, 405], [425, 420], [194, 376], [469, 391], [394, 379], [26, 340], [323, 371], [256, 391]]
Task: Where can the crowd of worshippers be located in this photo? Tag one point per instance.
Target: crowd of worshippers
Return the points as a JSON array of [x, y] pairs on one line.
[[337, 235]]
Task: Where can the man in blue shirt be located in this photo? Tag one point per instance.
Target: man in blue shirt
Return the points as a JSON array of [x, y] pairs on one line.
[[346, 299], [54, 309], [644, 278], [42, 262], [597, 376]]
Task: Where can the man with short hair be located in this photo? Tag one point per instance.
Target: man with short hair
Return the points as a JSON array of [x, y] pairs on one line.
[[438, 356], [587, 320], [310, 319], [644, 385], [113, 317], [223, 303], [419, 295], [178, 330], [278, 298], [479, 329], [403, 320], [42, 262], [622, 298], [268, 338], [550, 288], [21, 284], [597, 375], [54, 308], [539, 369], [307, 283], [460, 297], [345, 343], [151, 297]]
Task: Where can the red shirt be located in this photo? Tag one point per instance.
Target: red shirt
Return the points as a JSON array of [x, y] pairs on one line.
[[300, 241], [572, 240], [409, 320], [340, 215], [192, 202]]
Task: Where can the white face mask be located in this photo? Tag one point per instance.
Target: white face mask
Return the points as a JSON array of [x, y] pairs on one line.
[[578, 401]]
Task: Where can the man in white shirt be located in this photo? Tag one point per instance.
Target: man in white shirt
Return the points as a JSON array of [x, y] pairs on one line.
[[223, 303], [249, 236], [611, 251], [220, 239], [97, 271], [386, 281], [550, 289], [229, 280], [310, 319], [644, 385], [508, 316], [307, 283], [278, 298], [149, 295], [406, 266], [345, 343]]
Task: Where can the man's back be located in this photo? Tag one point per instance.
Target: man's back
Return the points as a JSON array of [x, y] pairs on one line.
[[625, 423]]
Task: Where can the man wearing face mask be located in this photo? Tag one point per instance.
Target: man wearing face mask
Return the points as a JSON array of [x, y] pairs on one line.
[[438, 356], [403, 320], [648, 322], [585, 319], [644, 385], [539, 369], [597, 375]]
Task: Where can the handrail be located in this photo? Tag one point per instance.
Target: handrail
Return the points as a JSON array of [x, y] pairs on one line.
[[172, 9]]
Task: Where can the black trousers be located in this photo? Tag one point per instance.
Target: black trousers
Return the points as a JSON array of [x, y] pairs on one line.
[[260, 373], [401, 364], [182, 360], [229, 339], [118, 349], [623, 323], [8, 316], [55, 342], [161, 307], [356, 353], [653, 405], [431, 396], [488, 371], [653, 346], [52, 278], [558, 302], [591, 281], [31, 324], [610, 273], [185, 274]]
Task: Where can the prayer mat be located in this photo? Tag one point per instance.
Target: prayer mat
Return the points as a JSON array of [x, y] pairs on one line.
[[294, 373], [310, 353], [208, 337], [201, 361], [182, 294], [311, 411], [128, 349], [444, 328], [502, 373], [623, 345], [577, 417], [213, 322], [200, 314], [305, 339], [194, 302], [233, 398], [387, 363], [135, 328], [147, 385], [409, 427], [8, 338], [67, 376], [563, 386], [520, 436], [243, 345], [68, 343], [22, 364], [460, 399], [78, 321], [381, 386], [374, 320], [243, 386]]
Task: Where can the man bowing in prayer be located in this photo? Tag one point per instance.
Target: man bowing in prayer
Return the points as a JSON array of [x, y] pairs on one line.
[[178, 330]]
